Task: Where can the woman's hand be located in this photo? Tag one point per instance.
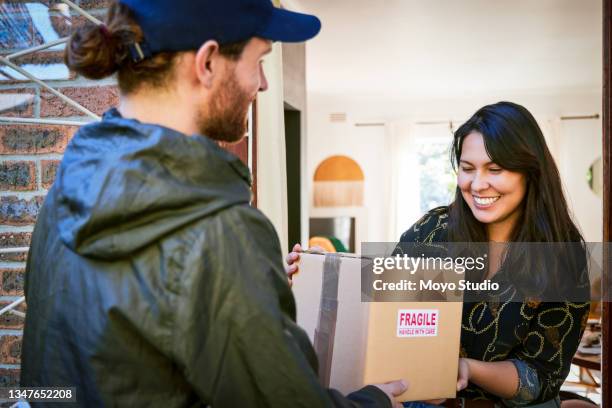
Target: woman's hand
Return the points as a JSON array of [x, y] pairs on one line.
[[499, 378], [293, 257], [463, 375]]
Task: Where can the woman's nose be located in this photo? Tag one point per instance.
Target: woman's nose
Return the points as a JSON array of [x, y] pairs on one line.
[[479, 183]]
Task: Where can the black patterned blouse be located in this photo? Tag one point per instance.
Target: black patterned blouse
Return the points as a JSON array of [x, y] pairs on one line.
[[539, 338]]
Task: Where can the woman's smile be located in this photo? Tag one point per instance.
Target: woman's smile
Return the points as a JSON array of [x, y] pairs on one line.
[[494, 194], [485, 202]]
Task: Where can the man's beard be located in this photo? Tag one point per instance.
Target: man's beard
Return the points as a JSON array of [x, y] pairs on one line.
[[226, 119]]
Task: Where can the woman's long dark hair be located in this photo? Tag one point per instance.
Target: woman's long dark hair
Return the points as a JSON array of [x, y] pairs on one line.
[[515, 142]]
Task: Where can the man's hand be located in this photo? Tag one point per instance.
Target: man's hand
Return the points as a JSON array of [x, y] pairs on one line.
[[393, 389]]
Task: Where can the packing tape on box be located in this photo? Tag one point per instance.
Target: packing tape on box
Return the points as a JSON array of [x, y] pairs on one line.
[[328, 313]]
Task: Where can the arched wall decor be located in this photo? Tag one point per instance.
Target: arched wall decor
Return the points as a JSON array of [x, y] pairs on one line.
[[338, 182]]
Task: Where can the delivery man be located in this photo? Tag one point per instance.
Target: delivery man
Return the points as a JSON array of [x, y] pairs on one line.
[[151, 281]]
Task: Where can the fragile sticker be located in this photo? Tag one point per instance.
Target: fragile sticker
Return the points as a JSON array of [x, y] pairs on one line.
[[417, 322]]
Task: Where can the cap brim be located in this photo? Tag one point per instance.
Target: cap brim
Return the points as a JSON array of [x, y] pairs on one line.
[[289, 26]]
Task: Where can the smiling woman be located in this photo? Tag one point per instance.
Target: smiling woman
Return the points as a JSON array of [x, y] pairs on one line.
[[509, 190], [493, 194], [505, 172]]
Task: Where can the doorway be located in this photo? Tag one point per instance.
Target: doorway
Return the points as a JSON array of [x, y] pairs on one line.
[[293, 152]]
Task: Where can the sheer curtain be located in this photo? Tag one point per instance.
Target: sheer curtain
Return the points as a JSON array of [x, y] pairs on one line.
[[551, 128], [403, 186]]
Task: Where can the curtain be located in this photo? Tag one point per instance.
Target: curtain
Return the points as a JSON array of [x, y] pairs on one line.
[[403, 186]]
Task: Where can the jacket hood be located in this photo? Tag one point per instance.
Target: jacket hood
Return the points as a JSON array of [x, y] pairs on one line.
[[123, 184]]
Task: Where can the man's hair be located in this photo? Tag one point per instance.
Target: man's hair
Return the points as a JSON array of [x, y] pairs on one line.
[[100, 51]]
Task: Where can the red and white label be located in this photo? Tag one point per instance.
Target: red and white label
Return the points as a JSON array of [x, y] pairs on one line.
[[417, 322]]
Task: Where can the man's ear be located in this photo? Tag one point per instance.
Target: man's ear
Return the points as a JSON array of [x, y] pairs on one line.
[[208, 62]]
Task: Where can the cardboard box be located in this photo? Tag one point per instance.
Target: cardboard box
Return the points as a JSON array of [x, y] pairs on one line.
[[361, 343]]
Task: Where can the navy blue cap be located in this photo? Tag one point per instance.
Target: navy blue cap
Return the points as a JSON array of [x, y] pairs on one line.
[[183, 25]]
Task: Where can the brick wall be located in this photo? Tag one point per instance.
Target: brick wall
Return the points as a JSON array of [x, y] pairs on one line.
[[30, 154]]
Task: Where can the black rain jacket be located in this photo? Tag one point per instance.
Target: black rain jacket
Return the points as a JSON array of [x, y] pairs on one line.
[[151, 281]]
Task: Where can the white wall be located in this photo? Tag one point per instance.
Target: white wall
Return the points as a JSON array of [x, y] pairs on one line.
[[366, 147], [580, 145]]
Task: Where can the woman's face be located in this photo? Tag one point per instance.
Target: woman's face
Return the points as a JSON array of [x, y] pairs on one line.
[[493, 194]]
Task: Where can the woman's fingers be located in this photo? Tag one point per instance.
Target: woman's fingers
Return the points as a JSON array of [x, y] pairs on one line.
[[292, 257]]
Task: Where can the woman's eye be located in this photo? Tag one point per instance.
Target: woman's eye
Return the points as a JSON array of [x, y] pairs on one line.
[[495, 170], [467, 169]]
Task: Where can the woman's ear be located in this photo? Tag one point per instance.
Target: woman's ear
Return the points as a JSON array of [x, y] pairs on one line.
[[207, 63]]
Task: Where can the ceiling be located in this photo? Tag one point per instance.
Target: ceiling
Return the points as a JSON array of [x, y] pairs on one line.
[[453, 48]]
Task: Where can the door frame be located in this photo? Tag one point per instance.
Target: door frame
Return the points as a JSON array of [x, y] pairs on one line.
[[607, 205]]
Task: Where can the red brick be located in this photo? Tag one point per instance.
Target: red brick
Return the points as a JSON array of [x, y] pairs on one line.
[[95, 4], [20, 256], [11, 321], [18, 211], [18, 176], [49, 171], [15, 239], [13, 105], [64, 25], [34, 139], [10, 349], [41, 58], [80, 21], [12, 282], [59, 21], [9, 377], [97, 99]]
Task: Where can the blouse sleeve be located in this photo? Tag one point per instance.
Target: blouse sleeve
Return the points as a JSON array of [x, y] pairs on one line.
[[528, 387], [554, 335]]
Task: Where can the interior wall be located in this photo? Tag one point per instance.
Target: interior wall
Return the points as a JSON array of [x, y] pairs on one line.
[[580, 146], [366, 144]]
